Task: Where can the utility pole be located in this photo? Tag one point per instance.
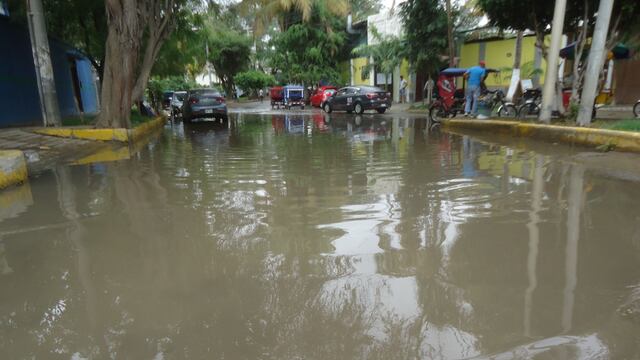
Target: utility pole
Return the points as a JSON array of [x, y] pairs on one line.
[[596, 62], [548, 92], [42, 62]]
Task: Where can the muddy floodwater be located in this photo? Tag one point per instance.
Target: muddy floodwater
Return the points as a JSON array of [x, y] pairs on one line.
[[316, 237]]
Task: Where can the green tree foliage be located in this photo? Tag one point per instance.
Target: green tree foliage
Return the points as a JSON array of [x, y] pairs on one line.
[[360, 9], [184, 52], [253, 80], [310, 51], [425, 24], [229, 53], [510, 14], [286, 13], [158, 85], [387, 53]]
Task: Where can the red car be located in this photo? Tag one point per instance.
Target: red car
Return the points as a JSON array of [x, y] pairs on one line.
[[322, 94]]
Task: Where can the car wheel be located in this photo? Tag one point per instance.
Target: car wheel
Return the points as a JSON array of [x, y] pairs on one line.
[[358, 108], [381, 111], [327, 108], [636, 109]]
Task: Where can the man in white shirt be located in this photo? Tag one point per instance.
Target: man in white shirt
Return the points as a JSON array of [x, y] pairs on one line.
[[403, 89]]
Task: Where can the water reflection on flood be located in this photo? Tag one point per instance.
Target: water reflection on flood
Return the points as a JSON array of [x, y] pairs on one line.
[[342, 237]]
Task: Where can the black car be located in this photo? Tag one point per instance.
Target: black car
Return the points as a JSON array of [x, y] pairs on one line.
[[204, 103], [358, 99]]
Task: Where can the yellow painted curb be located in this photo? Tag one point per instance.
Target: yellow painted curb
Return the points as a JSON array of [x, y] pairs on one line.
[[146, 128], [121, 135], [13, 168], [618, 140]]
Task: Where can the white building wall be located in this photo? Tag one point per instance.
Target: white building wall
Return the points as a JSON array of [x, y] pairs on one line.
[[389, 24]]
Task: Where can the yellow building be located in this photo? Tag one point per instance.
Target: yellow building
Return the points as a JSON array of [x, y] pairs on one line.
[[499, 53]]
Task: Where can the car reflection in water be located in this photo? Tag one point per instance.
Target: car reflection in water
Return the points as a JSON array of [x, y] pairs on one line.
[[288, 123], [360, 128], [207, 132]]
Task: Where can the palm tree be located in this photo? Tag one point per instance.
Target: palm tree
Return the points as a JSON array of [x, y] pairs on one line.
[[288, 12], [387, 54]]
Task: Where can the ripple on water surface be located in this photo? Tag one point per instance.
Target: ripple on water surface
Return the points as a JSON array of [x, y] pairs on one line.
[[322, 236]]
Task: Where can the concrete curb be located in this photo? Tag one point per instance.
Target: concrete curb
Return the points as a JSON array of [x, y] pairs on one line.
[[120, 135], [617, 140], [13, 168], [145, 129]]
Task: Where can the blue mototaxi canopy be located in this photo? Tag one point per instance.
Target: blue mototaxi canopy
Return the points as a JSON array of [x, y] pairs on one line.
[[461, 71], [453, 71], [293, 87]]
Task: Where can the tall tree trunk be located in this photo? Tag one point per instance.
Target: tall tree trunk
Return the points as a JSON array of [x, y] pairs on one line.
[[150, 56], [517, 58], [578, 71], [121, 60], [452, 51], [158, 16]]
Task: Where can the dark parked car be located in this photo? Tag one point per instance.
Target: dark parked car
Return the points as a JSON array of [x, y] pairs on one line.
[[358, 99], [204, 103]]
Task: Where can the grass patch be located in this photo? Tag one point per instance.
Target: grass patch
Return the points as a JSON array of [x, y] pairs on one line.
[[137, 118], [90, 120], [622, 125], [86, 120]]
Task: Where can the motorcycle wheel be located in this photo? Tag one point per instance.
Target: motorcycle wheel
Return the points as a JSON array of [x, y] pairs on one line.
[[508, 111], [437, 113], [528, 111]]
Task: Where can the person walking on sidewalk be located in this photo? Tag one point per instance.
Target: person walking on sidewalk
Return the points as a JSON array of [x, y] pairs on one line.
[[261, 95], [403, 89], [474, 76]]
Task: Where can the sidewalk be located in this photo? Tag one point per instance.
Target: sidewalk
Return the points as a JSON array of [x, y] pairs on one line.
[[44, 152]]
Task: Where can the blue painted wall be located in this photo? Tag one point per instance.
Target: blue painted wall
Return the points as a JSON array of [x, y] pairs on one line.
[[19, 100], [88, 86]]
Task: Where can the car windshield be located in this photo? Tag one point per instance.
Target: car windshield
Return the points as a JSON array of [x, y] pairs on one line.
[[372, 89], [206, 93], [180, 96], [330, 91]]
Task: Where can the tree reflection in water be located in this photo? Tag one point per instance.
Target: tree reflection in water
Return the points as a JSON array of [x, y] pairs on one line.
[[347, 240]]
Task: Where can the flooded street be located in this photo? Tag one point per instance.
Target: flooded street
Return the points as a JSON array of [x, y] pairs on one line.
[[314, 237]]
